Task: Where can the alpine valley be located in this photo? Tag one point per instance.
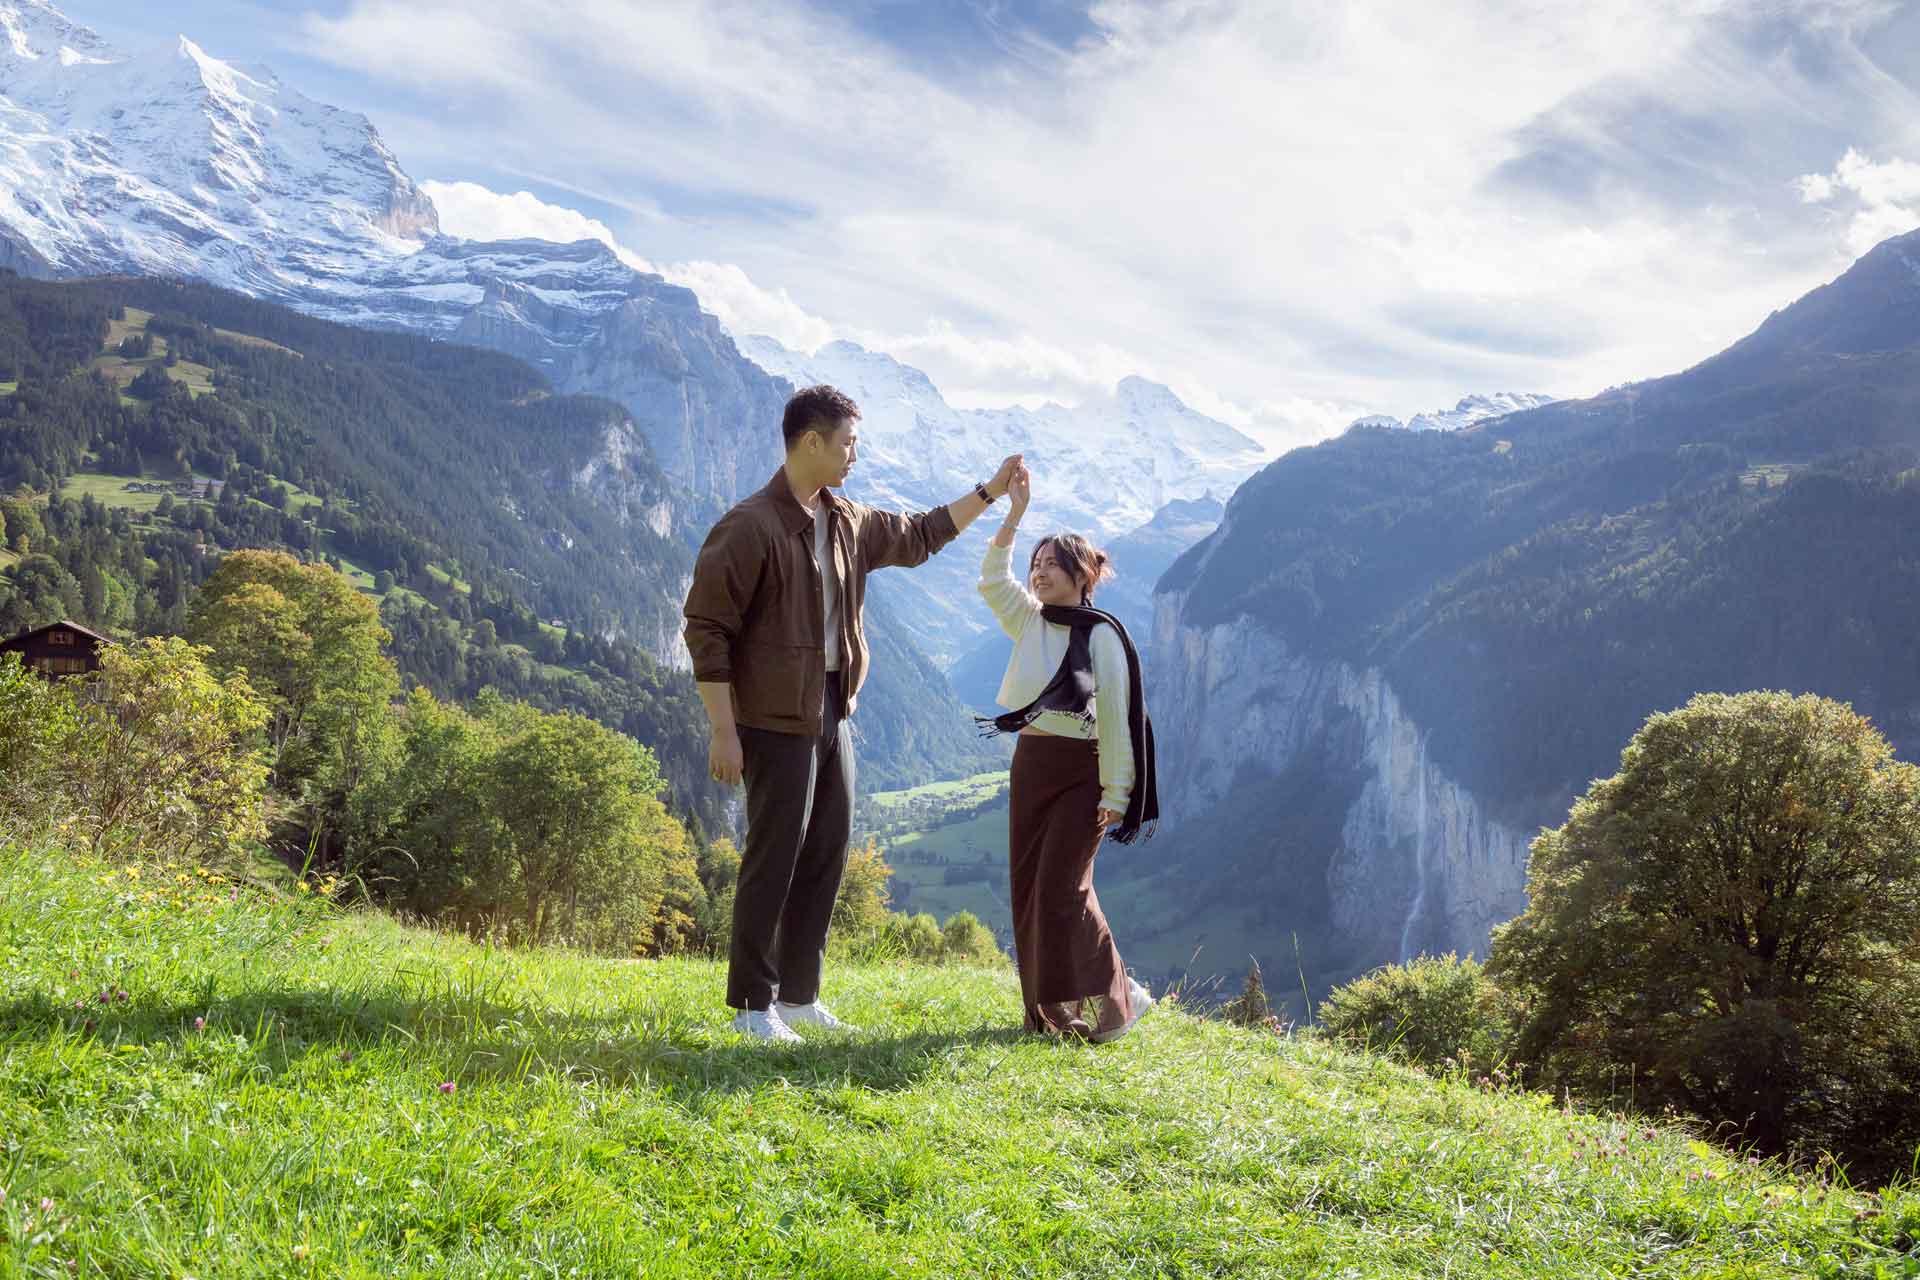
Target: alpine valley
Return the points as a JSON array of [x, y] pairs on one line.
[[1402, 653], [1376, 666]]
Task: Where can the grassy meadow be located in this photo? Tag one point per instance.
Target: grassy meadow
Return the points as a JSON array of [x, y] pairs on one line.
[[213, 1079]]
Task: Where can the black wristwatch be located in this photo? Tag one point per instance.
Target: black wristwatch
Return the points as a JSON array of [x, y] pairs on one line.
[[981, 489]]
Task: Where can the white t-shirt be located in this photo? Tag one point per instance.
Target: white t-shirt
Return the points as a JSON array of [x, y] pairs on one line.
[[829, 586]]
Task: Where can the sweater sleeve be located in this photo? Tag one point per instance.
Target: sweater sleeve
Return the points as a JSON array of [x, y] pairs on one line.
[[1011, 603], [1110, 717]]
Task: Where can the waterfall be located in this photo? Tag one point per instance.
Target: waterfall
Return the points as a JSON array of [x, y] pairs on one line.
[[1419, 905]]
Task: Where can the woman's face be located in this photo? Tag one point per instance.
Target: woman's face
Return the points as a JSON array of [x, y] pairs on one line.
[[1049, 580]]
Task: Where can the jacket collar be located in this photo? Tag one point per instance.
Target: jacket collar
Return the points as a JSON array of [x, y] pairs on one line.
[[793, 516]]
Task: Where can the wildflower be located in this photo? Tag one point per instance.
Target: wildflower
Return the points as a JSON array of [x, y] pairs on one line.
[[446, 1086], [304, 887], [133, 873], [46, 1204], [1648, 1134], [346, 1055], [199, 1024], [299, 1253]]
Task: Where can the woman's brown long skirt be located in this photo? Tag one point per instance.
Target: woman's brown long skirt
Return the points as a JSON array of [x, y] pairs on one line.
[[1061, 941]]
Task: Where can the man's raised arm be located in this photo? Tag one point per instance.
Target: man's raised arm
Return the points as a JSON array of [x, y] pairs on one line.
[[905, 541]]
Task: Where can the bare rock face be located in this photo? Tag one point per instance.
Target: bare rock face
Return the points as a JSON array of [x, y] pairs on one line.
[[1420, 866], [712, 417]]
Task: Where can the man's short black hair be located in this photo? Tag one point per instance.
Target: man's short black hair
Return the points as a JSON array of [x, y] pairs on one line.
[[820, 409]]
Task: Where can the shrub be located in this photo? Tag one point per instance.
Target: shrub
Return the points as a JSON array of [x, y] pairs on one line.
[[964, 939], [1423, 1011], [1730, 925], [916, 937], [1252, 1007], [37, 723], [860, 911], [152, 755]]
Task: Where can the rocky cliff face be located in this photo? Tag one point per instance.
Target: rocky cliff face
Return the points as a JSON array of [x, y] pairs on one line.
[[1420, 866]]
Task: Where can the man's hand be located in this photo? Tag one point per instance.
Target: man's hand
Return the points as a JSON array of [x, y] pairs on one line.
[[1105, 817], [725, 759], [1004, 476]]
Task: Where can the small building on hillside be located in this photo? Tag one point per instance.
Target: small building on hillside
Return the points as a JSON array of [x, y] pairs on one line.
[[62, 649]]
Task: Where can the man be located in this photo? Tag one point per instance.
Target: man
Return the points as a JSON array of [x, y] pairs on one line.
[[774, 627]]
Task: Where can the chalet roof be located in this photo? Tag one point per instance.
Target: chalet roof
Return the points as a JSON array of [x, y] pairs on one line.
[[24, 636]]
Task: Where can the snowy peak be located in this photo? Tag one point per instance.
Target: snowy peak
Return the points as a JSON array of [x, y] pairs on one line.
[[176, 162], [1471, 409], [33, 31], [1106, 465]]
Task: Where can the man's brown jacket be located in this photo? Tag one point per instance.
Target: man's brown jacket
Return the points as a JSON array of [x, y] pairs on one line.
[[754, 614]]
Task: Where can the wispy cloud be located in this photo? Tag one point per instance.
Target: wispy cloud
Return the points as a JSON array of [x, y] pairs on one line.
[[1372, 205], [1882, 198]]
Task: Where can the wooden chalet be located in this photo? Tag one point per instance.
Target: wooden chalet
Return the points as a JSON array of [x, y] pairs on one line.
[[62, 649]]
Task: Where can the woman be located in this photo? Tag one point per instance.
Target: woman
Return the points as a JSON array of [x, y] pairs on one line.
[[1083, 765]]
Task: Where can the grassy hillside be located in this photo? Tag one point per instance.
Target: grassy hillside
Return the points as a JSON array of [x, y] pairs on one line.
[[199, 1080]]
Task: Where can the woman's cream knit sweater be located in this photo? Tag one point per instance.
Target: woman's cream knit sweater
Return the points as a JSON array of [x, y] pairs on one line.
[[1038, 648]]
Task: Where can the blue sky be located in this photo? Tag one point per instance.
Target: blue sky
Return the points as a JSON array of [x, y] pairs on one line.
[[1291, 213]]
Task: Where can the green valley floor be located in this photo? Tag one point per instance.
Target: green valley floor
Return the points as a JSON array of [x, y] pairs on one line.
[[202, 1081]]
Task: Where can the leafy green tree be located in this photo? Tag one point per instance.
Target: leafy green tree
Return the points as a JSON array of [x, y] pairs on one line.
[[535, 826], [1731, 925], [23, 528], [312, 646], [42, 592], [162, 755], [585, 836], [38, 724], [860, 912]]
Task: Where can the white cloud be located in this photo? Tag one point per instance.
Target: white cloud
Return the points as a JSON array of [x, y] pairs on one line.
[[1372, 205], [473, 212], [1886, 196], [744, 307]]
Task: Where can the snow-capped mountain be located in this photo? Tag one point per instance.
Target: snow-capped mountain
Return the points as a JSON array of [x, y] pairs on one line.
[[1470, 410], [173, 162], [1102, 468]]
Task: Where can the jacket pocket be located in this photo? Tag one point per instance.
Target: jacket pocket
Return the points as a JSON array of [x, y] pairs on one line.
[[769, 680]]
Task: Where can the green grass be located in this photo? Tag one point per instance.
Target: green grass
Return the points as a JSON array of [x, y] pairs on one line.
[[111, 491], [957, 792], [442, 577], [920, 861], [603, 1121], [8, 558], [8, 388]]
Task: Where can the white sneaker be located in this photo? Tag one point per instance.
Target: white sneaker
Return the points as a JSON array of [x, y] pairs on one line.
[[764, 1024], [813, 1015], [1142, 998]]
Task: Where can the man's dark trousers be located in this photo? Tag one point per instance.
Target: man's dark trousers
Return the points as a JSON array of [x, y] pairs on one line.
[[799, 816]]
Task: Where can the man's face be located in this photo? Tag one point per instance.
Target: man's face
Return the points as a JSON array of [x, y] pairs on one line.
[[837, 451]]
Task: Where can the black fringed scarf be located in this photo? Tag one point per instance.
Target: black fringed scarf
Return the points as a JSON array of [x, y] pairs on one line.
[[1071, 693]]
